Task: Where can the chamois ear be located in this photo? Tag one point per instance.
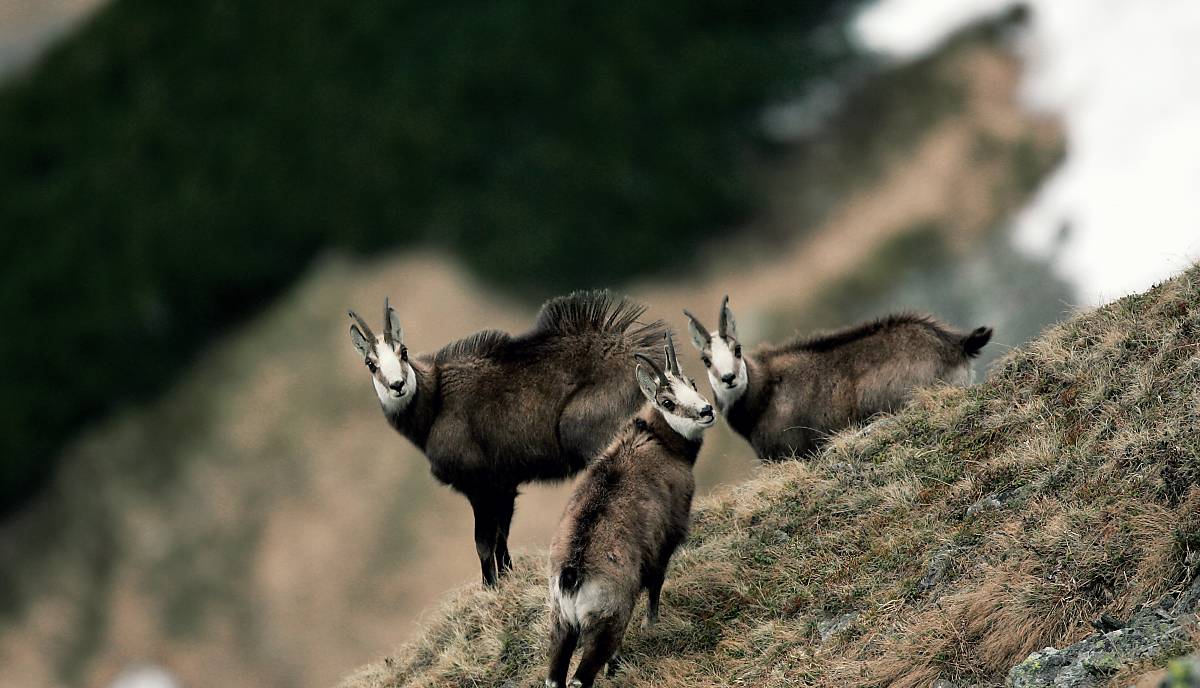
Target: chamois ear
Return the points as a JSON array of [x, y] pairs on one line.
[[700, 336], [360, 341], [728, 324], [647, 383], [392, 332]]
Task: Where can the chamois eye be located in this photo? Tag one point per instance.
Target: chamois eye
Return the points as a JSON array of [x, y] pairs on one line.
[[707, 361], [371, 365], [668, 404], [404, 353], [737, 351]]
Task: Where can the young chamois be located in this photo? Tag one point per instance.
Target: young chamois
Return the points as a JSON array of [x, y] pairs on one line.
[[494, 411], [626, 517], [786, 399]]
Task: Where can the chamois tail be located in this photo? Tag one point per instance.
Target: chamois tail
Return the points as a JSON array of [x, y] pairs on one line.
[[972, 343], [569, 579]]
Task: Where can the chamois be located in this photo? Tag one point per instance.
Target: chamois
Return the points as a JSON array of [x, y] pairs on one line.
[[786, 399], [626, 517], [493, 411]]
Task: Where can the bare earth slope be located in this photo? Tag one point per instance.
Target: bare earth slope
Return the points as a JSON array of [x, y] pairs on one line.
[[948, 542]]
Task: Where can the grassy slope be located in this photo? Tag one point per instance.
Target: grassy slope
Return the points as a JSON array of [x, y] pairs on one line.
[[1090, 436]]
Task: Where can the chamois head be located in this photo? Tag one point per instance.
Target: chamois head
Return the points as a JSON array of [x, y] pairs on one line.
[[722, 355], [386, 358], [674, 394]]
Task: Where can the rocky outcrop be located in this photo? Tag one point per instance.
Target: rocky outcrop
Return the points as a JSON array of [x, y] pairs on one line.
[[1154, 633]]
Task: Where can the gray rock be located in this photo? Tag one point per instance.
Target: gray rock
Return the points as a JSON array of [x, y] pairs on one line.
[[831, 627], [1154, 633], [778, 537], [986, 504], [1002, 499], [938, 565]]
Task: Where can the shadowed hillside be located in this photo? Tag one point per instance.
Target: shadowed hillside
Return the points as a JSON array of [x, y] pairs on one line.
[[949, 541]]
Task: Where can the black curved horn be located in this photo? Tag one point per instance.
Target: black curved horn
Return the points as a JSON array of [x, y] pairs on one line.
[[362, 325], [672, 358], [662, 379], [387, 325], [723, 323]]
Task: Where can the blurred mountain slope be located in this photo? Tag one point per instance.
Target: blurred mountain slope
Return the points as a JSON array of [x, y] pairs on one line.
[[27, 26], [171, 167]]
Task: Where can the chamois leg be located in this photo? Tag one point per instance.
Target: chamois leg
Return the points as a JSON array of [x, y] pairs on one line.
[[505, 506], [654, 582], [485, 537], [563, 638], [600, 643], [652, 578]]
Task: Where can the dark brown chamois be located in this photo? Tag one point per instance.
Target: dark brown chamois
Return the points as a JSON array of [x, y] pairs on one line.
[[787, 399], [494, 411], [626, 517]]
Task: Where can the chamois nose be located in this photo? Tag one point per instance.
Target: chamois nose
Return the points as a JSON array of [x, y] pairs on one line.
[[397, 386], [706, 412], [727, 378]]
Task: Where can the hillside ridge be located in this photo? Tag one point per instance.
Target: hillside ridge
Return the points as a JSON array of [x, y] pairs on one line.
[[947, 542]]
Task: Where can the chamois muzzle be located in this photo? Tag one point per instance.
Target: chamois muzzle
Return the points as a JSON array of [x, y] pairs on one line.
[[728, 379], [397, 387]]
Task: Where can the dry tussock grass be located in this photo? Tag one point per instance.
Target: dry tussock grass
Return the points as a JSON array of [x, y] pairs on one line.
[[1086, 443]]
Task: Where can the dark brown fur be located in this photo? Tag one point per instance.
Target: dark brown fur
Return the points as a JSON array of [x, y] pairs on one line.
[[625, 519], [493, 411], [800, 392]]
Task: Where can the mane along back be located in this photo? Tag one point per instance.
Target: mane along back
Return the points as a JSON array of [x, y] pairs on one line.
[[599, 312], [839, 338], [482, 344]]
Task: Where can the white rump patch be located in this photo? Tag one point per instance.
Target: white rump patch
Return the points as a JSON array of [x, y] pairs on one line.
[[578, 608], [962, 376]]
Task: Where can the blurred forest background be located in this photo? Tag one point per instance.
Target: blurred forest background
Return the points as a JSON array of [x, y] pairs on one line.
[[196, 480]]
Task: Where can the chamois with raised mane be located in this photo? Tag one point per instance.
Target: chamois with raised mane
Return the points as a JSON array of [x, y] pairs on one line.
[[626, 517], [786, 399], [493, 411]]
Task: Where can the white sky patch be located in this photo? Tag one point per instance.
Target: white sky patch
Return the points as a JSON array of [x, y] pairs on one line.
[[145, 676], [1124, 78]]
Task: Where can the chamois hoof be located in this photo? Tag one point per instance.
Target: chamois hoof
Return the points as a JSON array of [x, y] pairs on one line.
[[614, 665], [575, 683], [553, 684]]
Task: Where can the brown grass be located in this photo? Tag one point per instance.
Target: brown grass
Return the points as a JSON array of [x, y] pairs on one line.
[[1090, 438]]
